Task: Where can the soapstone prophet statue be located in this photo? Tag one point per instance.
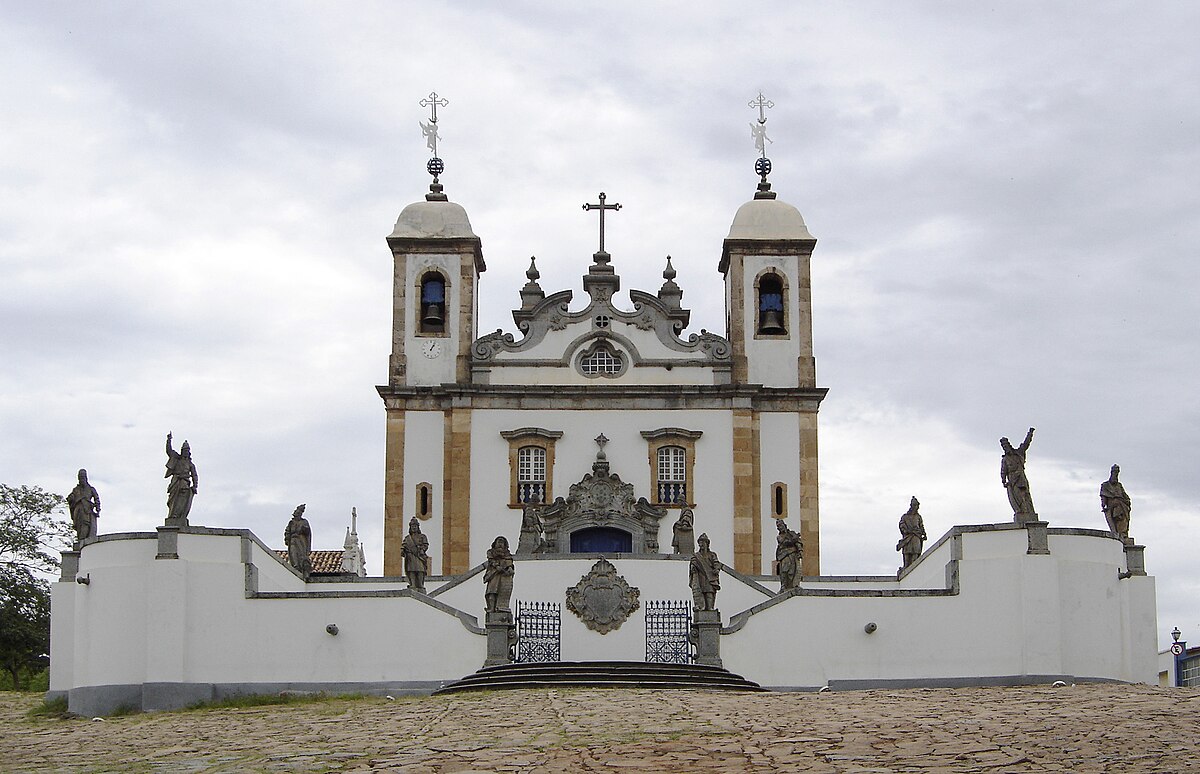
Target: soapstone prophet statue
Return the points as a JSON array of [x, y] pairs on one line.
[[183, 484], [415, 551], [683, 540], [498, 576], [84, 502], [297, 536], [1116, 505], [704, 574], [912, 534], [1012, 475], [789, 548]]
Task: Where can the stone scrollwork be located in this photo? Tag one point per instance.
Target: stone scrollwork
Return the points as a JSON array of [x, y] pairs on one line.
[[602, 599]]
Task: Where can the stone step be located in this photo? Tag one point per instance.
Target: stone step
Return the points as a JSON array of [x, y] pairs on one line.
[[601, 674]]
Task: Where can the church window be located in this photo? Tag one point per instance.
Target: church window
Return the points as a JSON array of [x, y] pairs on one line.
[[779, 500], [672, 460], [531, 474], [424, 501], [531, 464], [772, 312], [672, 475], [603, 321], [432, 309], [601, 361]]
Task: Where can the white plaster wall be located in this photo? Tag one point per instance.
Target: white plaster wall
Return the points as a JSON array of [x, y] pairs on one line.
[[772, 362], [628, 456], [147, 620], [420, 369], [424, 445], [779, 447]]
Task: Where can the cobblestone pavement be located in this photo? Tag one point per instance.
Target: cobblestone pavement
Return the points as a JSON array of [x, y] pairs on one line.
[[1084, 728]]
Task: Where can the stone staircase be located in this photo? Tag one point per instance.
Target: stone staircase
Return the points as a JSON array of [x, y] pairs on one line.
[[601, 674]]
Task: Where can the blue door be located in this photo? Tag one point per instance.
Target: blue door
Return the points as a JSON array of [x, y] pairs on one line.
[[601, 540]]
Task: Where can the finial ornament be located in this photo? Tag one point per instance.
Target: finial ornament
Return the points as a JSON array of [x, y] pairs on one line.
[[435, 166], [600, 255], [533, 275], [762, 165], [669, 272]]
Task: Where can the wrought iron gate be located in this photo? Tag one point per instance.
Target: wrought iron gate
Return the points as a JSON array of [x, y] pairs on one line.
[[539, 631], [667, 625]]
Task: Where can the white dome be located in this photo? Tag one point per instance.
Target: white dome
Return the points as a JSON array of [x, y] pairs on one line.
[[768, 219], [427, 219]]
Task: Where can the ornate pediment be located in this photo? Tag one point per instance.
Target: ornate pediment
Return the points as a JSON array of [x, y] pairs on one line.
[[602, 599], [602, 499]]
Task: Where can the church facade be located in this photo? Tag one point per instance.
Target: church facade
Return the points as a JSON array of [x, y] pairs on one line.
[[481, 427]]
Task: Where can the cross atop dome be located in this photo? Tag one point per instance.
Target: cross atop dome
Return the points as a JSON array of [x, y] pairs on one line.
[[762, 165], [435, 166]]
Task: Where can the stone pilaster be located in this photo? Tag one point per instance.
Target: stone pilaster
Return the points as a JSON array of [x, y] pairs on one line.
[[456, 473], [747, 550], [393, 494], [810, 524]]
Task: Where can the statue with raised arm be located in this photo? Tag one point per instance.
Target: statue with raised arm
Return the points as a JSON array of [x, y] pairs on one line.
[[297, 536], [1116, 506], [789, 548], [182, 486], [683, 536], [84, 502], [415, 551], [1012, 475], [498, 576], [704, 574], [912, 534]]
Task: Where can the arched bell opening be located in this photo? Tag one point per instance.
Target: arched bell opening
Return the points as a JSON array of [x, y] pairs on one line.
[[433, 303], [771, 317]]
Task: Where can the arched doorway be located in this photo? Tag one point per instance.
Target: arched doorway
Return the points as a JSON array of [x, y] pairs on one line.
[[601, 540]]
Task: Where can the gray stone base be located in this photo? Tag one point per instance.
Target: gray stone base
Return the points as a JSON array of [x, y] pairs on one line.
[[106, 699]]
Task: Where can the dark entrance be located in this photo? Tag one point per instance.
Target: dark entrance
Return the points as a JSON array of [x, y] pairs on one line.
[[601, 540]]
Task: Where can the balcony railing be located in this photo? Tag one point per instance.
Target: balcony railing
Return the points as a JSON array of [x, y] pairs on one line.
[[672, 492], [531, 492]]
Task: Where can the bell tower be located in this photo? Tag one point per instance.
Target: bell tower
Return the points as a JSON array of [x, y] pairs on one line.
[[765, 260], [437, 260]]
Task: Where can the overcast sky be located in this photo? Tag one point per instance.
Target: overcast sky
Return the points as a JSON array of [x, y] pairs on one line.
[[194, 199]]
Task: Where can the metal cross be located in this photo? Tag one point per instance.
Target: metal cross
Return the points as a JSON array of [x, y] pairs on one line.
[[600, 439], [433, 101], [602, 207], [761, 103]]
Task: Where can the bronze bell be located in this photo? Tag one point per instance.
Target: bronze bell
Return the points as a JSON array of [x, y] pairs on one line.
[[433, 315], [772, 323]]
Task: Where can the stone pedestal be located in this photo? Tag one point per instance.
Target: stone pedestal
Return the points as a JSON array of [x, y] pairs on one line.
[[168, 543], [1039, 539], [501, 634], [706, 632], [1135, 560], [69, 566], [1024, 518]]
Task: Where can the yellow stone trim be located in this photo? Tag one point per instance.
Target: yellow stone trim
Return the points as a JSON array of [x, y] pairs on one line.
[[456, 497], [778, 500], [428, 514], [810, 523], [747, 531], [393, 494]]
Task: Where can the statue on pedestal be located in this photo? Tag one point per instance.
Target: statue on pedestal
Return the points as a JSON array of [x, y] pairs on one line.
[[912, 534], [297, 536], [704, 574], [1012, 475], [683, 541], [84, 502], [415, 551], [789, 548], [182, 486], [498, 576], [1116, 506]]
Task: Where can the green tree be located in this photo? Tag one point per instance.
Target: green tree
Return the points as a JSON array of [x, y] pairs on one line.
[[32, 531]]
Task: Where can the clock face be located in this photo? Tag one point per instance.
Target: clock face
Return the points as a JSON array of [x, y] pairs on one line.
[[431, 349]]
